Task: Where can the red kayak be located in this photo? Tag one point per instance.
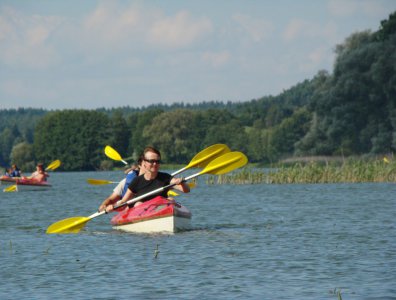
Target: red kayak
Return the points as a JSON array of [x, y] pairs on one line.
[[158, 215], [24, 184]]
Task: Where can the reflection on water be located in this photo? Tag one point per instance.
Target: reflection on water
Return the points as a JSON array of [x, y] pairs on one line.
[[248, 242]]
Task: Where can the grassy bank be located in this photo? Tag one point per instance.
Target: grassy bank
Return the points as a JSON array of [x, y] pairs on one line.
[[349, 171]]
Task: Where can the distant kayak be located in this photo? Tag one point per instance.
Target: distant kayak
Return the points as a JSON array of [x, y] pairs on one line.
[[24, 184], [158, 215]]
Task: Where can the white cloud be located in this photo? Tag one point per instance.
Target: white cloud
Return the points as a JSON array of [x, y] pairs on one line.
[[135, 30], [135, 50], [25, 40], [111, 25], [178, 31]]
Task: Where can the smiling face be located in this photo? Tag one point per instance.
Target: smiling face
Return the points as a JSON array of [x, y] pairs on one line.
[[151, 161]]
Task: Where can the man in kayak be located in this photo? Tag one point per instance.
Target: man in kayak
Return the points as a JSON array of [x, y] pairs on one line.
[[121, 188], [39, 175], [151, 180]]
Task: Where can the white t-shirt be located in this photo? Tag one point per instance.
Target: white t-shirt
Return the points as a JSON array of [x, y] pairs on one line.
[[120, 187]]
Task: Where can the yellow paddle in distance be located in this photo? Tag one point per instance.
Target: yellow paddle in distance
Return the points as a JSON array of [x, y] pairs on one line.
[[99, 181], [222, 164], [54, 165], [11, 188], [113, 154]]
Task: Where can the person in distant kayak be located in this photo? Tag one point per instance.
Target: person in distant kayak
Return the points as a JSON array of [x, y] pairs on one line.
[[39, 175], [121, 188], [15, 171], [151, 180], [7, 172]]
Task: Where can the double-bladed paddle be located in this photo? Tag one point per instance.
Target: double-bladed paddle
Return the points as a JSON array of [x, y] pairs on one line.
[[221, 165]]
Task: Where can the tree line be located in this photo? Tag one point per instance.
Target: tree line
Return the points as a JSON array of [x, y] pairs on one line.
[[350, 111]]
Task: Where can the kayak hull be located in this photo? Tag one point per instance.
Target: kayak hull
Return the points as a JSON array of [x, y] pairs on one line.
[[24, 184], [158, 215]]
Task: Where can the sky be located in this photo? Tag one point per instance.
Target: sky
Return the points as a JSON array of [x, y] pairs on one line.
[[57, 54]]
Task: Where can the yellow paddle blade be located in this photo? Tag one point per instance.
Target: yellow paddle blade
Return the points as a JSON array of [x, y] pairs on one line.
[[203, 158], [69, 225], [11, 188], [54, 165], [172, 193], [113, 154], [99, 181], [226, 163]]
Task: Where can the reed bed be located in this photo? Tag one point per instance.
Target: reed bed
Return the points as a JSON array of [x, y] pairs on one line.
[[350, 171]]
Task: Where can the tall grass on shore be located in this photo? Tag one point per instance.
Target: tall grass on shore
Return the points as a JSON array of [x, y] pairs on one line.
[[350, 171]]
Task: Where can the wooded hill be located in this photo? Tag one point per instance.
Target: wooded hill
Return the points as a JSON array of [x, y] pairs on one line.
[[350, 111]]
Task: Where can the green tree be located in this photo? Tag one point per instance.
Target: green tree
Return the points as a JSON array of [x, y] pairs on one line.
[[387, 28], [22, 155], [76, 137], [120, 133], [8, 138], [221, 126], [172, 133], [136, 123], [290, 131]]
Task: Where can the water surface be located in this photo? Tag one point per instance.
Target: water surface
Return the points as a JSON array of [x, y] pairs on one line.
[[248, 242]]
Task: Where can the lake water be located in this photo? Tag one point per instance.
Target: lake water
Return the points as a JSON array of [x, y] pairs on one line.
[[248, 242]]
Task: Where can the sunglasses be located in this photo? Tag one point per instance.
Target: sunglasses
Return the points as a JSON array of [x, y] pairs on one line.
[[152, 161]]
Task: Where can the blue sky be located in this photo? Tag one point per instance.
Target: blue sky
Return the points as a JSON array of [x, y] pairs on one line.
[[58, 54]]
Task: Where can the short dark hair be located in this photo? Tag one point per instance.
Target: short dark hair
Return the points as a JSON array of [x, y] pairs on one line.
[[149, 149]]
